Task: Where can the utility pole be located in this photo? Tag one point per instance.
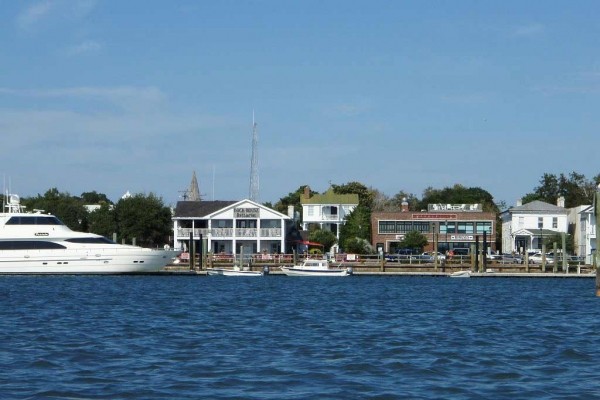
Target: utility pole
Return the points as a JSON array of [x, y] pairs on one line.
[[254, 184]]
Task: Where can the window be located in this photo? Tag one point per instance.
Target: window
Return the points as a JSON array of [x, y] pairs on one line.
[[422, 227], [34, 220], [310, 211], [484, 227], [100, 240], [465, 227], [451, 228], [404, 226], [521, 222], [540, 222], [554, 222], [29, 245], [387, 227]]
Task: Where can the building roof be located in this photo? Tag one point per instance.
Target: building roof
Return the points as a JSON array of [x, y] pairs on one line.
[[536, 232], [199, 209], [538, 206], [330, 197]]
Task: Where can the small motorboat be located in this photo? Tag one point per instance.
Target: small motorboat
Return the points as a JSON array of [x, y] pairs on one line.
[[236, 271], [461, 274], [315, 268]]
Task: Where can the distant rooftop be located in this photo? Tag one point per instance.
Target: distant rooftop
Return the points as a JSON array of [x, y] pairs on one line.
[[329, 197]]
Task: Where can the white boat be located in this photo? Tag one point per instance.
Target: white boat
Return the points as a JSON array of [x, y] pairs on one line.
[[236, 271], [315, 268], [461, 274], [38, 243]]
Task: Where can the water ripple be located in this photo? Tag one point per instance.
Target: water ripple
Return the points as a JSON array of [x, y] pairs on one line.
[[284, 338]]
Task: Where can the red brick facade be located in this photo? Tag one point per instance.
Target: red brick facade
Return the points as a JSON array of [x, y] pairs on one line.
[[453, 229]]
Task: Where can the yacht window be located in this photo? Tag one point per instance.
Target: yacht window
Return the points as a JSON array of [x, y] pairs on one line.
[[101, 240], [28, 245], [34, 220]]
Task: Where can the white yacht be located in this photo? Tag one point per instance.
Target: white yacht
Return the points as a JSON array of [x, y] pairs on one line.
[[37, 243]]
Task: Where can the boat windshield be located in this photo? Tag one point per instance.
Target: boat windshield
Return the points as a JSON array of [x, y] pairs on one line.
[[34, 220]]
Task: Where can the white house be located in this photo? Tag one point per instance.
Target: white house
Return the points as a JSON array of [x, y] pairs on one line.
[[525, 225], [231, 227], [327, 210], [586, 233]]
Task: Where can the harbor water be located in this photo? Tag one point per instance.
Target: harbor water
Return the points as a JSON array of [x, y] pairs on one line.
[[275, 337]]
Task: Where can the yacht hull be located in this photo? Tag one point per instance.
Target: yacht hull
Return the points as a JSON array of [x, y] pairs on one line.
[[98, 261]]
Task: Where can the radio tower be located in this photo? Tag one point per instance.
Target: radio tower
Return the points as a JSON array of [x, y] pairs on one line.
[[254, 163]]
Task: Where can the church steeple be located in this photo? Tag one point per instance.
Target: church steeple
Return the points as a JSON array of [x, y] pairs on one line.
[[194, 191]]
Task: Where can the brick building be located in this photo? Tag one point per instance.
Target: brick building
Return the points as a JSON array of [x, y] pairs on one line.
[[457, 226]]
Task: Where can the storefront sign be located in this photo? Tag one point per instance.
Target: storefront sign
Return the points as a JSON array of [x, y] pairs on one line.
[[246, 212], [461, 237], [434, 216], [455, 207]]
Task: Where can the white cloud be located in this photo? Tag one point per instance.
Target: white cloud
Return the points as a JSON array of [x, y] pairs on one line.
[[125, 97], [53, 12], [33, 14], [528, 30], [349, 109], [88, 46]]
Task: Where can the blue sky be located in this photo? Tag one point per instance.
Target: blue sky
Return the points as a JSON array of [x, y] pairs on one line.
[[398, 95]]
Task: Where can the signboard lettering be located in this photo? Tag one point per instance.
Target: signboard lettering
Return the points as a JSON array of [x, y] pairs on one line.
[[455, 207], [246, 212]]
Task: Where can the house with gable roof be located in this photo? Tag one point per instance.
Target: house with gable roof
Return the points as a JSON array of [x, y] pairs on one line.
[[230, 227], [525, 225], [328, 210]]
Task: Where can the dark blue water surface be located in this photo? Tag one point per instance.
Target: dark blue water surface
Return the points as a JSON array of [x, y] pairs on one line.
[[157, 337]]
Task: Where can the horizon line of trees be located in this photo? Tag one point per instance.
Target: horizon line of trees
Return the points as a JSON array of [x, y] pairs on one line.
[[148, 219], [355, 234]]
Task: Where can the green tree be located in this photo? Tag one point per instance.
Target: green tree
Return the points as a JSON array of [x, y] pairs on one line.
[[145, 218], [102, 221], [292, 199], [574, 187], [357, 225], [414, 240], [358, 246], [325, 237], [366, 196], [94, 198], [557, 238], [459, 194], [67, 208]]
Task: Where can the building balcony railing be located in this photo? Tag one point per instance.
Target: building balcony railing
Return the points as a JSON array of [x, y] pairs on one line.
[[324, 218], [185, 232], [231, 232]]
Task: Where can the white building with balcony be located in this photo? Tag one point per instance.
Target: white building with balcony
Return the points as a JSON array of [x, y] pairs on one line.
[[586, 243], [328, 210], [230, 227], [525, 226]]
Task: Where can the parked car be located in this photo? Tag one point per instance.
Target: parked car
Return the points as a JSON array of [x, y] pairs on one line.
[[536, 258], [495, 256], [402, 254], [511, 259]]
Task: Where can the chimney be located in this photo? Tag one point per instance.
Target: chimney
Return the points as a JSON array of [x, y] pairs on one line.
[[519, 202], [291, 212], [307, 192], [404, 205], [560, 202]]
